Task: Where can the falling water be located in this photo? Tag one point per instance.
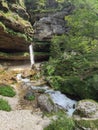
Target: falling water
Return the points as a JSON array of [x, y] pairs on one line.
[[31, 55]]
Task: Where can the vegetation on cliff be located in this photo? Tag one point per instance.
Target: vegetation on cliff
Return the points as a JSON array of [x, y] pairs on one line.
[[46, 5], [73, 65]]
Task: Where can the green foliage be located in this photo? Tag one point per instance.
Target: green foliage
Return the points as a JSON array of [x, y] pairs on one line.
[[84, 20], [17, 34], [76, 75], [2, 25], [73, 66], [64, 44], [62, 123], [92, 123], [47, 5], [7, 91], [4, 105], [31, 98]]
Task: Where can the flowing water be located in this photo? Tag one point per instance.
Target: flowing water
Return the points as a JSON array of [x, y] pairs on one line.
[[31, 55], [63, 101], [57, 97]]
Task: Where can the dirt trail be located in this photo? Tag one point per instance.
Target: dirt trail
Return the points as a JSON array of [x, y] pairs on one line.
[[19, 118], [22, 120]]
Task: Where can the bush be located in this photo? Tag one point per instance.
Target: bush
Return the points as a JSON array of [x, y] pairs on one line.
[[31, 98], [76, 75], [7, 91], [62, 123], [4, 105]]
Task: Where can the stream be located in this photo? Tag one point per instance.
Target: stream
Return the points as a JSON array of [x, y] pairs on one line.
[[57, 97]]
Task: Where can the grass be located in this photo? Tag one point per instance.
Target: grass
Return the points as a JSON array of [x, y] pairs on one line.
[[4, 105], [25, 54], [90, 123], [31, 98], [7, 91], [62, 123]]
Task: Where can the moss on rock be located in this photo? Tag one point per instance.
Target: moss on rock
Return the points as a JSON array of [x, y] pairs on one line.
[[87, 124], [86, 115]]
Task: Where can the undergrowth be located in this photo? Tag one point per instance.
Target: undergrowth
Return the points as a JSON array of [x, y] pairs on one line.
[[7, 91], [4, 105]]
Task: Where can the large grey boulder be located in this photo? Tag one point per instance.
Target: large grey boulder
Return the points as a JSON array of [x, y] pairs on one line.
[[46, 104], [87, 109], [86, 115]]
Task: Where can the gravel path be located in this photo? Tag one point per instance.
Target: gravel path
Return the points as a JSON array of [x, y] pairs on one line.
[[22, 120]]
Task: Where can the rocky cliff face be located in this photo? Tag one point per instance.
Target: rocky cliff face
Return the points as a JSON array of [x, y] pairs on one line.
[[48, 18], [23, 22], [14, 29], [52, 24]]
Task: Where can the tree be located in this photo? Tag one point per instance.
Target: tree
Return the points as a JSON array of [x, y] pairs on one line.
[[74, 62]]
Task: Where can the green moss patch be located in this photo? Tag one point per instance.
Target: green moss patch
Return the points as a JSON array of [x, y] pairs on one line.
[[62, 123], [7, 91], [4, 105], [91, 123], [31, 98]]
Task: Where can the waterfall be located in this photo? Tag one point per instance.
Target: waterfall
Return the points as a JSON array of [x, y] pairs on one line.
[[31, 55]]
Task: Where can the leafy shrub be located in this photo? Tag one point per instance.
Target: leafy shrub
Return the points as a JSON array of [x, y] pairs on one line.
[[73, 66], [76, 75], [31, 98], [4, 105], [7, 91], [62, 123]]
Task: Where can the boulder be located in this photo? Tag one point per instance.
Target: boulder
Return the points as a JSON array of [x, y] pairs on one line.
[[46, 104], [87, 108], [86, 115]]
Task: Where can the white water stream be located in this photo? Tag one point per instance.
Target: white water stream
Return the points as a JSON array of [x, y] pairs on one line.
[[19, 78], [63, 101], [57, 97]]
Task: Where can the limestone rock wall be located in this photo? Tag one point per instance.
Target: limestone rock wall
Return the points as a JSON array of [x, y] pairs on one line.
[[14, 29], [23, 22]]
